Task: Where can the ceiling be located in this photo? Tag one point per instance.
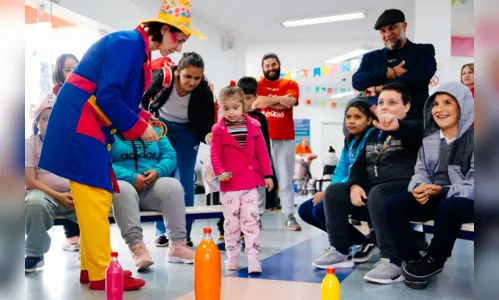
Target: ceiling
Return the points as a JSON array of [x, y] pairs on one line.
[[259, 20]]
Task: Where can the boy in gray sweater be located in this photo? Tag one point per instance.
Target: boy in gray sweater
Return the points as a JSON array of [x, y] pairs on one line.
[[442, 188]]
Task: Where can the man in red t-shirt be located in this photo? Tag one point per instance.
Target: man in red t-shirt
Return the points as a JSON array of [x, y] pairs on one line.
[[276, 98]]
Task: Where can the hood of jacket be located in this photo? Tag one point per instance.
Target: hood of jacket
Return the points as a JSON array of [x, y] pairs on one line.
[[465, 100]]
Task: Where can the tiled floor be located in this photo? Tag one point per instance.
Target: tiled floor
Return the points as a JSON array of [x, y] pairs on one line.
[[286, 256]]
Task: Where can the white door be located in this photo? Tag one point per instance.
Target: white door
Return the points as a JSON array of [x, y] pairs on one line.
[[331, 135]]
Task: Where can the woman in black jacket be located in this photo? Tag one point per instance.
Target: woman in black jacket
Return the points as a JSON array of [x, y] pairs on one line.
[[181, 98]]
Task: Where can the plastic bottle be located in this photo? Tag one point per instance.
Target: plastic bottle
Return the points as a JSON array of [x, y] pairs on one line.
[[330, 286], [114, 279], [207, 269]]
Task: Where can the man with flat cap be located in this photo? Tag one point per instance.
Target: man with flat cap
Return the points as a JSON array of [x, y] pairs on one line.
[[401, 60]]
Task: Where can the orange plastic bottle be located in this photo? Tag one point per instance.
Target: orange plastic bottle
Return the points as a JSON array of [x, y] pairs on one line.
[[207, 269], [330, 286]]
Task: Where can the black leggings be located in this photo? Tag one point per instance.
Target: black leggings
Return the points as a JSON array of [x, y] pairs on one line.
[[71, 229]]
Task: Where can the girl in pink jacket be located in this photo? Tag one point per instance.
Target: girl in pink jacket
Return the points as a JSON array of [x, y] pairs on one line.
[[241, 162]]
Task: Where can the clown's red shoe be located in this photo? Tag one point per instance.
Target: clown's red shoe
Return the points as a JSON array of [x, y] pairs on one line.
[[84, 276], [129, 284]]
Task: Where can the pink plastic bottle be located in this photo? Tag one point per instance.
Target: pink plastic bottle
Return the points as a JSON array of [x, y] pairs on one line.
[[114, 279]]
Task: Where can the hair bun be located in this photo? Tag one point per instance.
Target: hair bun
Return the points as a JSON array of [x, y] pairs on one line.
[[232, 83]]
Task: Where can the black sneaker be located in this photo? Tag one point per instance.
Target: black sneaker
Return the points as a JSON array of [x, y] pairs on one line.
[[419, 284], [161, 241], [365, 251], [32, 263], [190, 243], [422, 269]]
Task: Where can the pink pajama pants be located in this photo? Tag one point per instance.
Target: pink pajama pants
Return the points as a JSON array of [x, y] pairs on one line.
[[241, 213]]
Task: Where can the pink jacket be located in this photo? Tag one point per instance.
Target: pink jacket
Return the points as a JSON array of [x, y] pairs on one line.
[[248, 165]]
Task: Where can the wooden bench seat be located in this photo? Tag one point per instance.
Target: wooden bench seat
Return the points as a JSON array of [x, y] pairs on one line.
[[191, 213]]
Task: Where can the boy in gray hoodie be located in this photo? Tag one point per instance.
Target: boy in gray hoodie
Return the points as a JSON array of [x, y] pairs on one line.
[[442, 188]]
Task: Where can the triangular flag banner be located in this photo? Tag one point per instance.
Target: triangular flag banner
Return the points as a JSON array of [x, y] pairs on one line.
[[329, 91], [287, 75], [343, 91], [323, 89], [336, 91], [304, 73], [282, 75], [317, 89], [452, 2], [293, 75], [308, 102], [316, 102], [308, 89], [345, 66], [334, 68], [326, 70], [334, 105], [317, 72], [323, 103]]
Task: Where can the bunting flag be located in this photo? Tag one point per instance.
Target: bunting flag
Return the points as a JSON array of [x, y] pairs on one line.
[[326, 70], [326, 90], [346, 66], [325, 102], [334, 68], [317, 72]]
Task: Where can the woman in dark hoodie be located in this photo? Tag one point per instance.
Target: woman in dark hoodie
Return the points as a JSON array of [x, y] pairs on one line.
[[181, 98], [442, 188]]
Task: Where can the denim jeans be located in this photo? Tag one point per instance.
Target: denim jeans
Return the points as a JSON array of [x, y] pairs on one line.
[[186, 144]]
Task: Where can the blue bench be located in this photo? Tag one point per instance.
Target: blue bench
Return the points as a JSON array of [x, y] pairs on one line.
[[191, 213]]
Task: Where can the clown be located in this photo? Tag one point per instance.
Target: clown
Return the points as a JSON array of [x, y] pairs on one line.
[[100, 98]]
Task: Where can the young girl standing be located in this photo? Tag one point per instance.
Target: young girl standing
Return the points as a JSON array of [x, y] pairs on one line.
[[241, 162]]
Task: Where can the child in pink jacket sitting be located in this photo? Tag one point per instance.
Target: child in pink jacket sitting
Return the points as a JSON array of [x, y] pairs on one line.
[[241, 162]]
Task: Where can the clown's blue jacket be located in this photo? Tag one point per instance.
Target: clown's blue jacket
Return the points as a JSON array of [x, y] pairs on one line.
[[101, 97]]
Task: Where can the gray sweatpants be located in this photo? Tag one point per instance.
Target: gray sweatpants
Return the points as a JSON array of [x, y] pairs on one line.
[[283, 156], [40, 212], [165, 195]]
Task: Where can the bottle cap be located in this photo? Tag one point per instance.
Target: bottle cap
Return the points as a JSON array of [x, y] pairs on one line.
[[330, 271], [114, 254], [207, 230]]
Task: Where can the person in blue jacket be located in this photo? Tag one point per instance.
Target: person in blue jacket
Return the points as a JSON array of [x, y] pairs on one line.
[[142, 170], [399, 61], [359, 120], [100, 98]]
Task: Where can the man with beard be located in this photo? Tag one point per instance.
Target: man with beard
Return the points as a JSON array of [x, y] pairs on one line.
[[276, 98], [401, 60]]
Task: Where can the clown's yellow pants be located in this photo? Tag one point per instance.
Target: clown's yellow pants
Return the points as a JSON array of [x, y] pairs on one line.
[[92, 206]]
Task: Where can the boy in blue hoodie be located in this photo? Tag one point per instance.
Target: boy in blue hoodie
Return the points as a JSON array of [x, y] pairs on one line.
[[442, 187]]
